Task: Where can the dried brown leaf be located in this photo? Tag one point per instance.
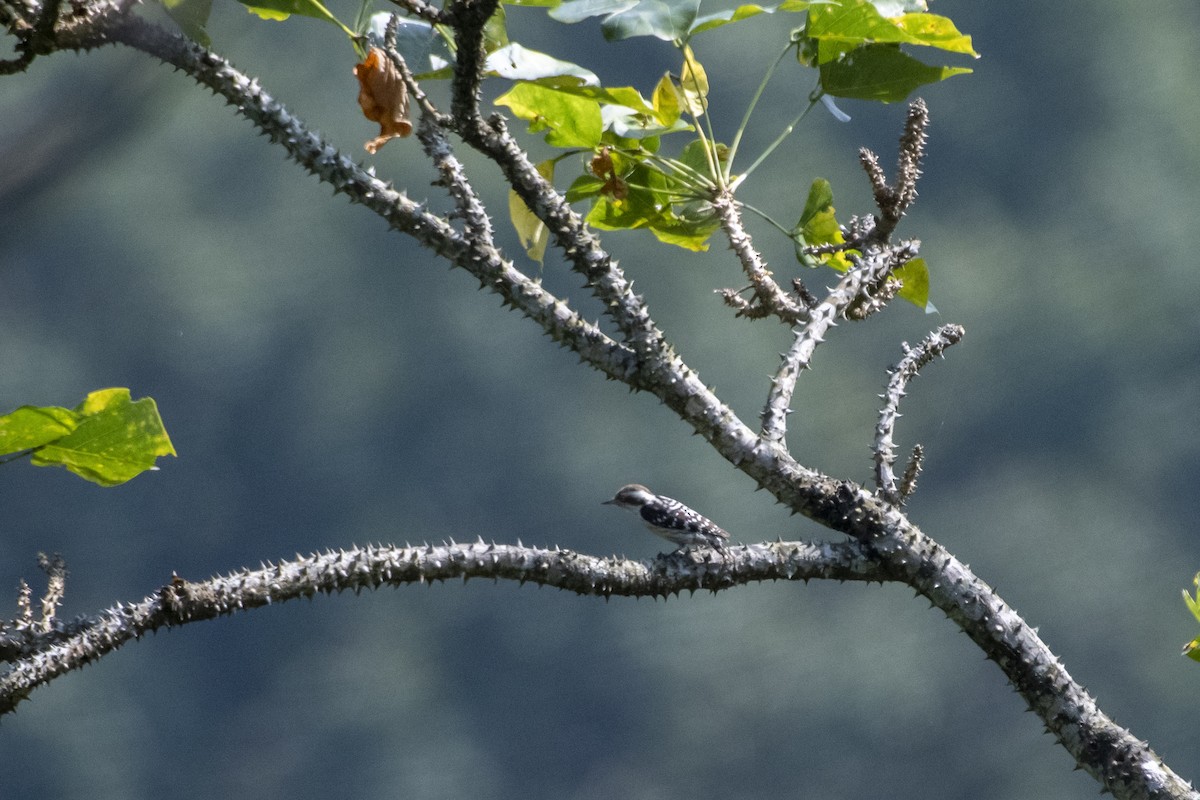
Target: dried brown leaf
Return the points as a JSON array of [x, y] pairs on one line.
[[383, 98]]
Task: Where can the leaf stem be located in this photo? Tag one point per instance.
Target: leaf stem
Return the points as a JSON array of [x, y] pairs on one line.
[[773, 146], [762, 86], [767, 218]]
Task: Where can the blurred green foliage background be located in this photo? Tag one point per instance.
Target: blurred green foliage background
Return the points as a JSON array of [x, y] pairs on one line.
[[326, 383]]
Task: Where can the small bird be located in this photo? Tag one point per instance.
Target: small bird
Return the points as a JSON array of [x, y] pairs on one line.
[[670, 519]]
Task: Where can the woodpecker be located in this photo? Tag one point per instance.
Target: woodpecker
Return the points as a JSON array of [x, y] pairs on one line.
[[670, 519]]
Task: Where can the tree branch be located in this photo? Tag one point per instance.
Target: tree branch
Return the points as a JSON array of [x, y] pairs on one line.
[[1125, 766], [769, 299], [38, 657], [567, 229], [908, 367], [885, 544], [361, 186]]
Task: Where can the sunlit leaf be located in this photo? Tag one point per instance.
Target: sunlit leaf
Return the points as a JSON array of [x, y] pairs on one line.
[[282, 9], [931, 30], [533, 233], [880, 72], [817, 226], [30, 426], [730, 15], [690, 234], [631, 125], [1192, 648], [915, 276], [820, 198], [1193, 604], [838, 29], [106, 439], [666, 101], [693, 84], [573, 11], [572, 121], [894, 8], [611, 214]]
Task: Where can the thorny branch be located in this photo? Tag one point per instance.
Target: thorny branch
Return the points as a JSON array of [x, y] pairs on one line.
[[867, 287], [885, 456], [884, 543], [768, 298]]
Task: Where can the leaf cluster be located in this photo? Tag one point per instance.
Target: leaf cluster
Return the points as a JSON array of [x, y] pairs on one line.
[[859, 49], [107, 439]]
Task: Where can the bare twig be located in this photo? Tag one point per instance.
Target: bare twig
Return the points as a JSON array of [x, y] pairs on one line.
[[908, 483], [56, 587], [581, 249], [426, 11], [850, 290], [432, 134], [893, 201], [768, 298], [32, 40], [905, 370]]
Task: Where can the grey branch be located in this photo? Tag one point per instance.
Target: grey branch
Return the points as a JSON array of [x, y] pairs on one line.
[[853, 292], [37, 657], [1125, 766], [885, 545], [768, 298], [894, 201], [904, 371]]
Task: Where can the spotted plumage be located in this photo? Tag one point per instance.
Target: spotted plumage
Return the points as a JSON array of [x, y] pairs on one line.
[[670, 519]]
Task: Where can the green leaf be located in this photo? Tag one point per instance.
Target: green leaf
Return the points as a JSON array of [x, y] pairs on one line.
[[818, 225], [932, 30], [1193, 605], [670, 20], [915, 275], [880, 72], [572, 121], [666, 101], [520, 64], [838, 29], [729, 16], [29, 427], [1192, 648], [282, 9], [820, 198], [690, 234], [191, 16], [106, 439], [693, 84], [585, 187], [533, 233]]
